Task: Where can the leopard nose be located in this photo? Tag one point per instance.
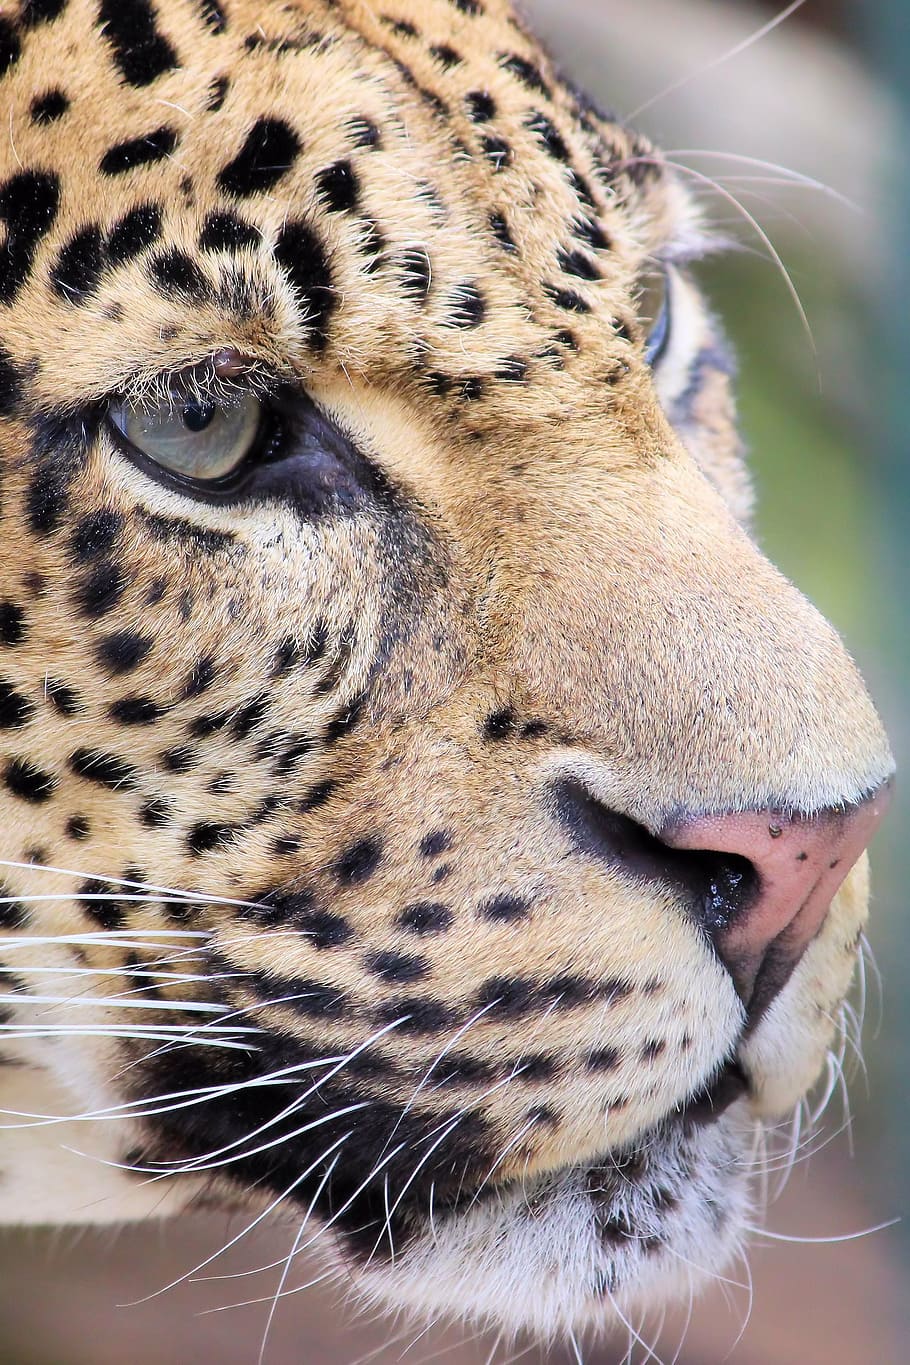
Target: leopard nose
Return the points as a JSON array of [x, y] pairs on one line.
[[799, 863]]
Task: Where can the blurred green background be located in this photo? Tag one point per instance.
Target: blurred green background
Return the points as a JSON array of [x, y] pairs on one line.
[[826, 424]]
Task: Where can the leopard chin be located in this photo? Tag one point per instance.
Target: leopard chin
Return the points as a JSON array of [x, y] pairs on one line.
[[588, 1245]]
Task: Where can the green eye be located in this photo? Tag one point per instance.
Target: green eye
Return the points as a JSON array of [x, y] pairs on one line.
[[195, 438]]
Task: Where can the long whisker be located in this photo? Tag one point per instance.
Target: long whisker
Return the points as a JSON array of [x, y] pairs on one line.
[[756, 227], [126, 881], [244, 1231], [715, 62]]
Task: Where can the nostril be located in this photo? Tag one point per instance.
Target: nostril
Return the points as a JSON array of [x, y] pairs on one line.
[[718, 888], [799, 862]]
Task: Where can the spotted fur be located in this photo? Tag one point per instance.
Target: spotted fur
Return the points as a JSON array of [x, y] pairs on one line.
[[301, 903]]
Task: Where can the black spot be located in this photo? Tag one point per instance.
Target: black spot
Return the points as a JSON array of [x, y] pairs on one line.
[[399, 968], [138, 151], [480, 105], [500, 724], [217, 94], [302, 256], [311, 998], [15, 710], [155, 812], [497, 151], [140, 51], [249, 715], [440, 873], [123, 650], [434, 843], [10, 384], [95, 533], [591, 232], [46, 108], [470, 307], [206, 836], [227, 232], [78, 827], [96, 899], [416, 272], [549, 136], [291, 755], [459, 1068], [425, 917], [12, 624], [372, 244], [359, 861], [364, 132], [286, 656], [446, 55], [651, 1050], [285, 845], [340, 186], [179, 759], [134, 232], [567, 299], [213, 15], [201, 677], [27, 782], [203, 726], [533, 729], [579, 264], [416, 1015], [501, 231], [77, 271], [136, 711], [505, 908], [513, 370], [106, 770], [176, 272], [603, 1059], [10, 46], [35, 12], [270, 149], [316, 796], [535, 1067], [101, 590], [526, 71], [47, 497], [63, 699], [28, 207], [508, 996], [344, 722], [295, 910]]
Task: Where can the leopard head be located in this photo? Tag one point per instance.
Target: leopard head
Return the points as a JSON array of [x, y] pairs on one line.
[[424, 807]]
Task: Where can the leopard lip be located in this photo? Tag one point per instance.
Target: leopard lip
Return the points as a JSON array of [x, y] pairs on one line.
[[728, 1084]]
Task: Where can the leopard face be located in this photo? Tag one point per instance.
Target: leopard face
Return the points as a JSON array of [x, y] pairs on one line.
[[424, 808]]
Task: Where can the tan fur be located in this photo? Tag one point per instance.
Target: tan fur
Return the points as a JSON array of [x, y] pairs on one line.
[[560, 551]]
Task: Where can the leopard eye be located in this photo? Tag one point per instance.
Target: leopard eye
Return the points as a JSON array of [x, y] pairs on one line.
[[655, 313], [193, 437]]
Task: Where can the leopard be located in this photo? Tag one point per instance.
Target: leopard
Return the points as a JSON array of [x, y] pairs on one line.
[[426, 813]]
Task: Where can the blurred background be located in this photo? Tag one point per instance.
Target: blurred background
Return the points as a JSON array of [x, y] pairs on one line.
[[819, 95]]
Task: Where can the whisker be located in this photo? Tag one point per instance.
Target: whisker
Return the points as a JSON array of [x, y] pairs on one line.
[[755, 226], [820, 1241], [260, 1217], [715, 62], [126, 881]]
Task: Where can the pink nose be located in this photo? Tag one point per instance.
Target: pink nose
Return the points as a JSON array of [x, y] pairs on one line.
[[800, 862]]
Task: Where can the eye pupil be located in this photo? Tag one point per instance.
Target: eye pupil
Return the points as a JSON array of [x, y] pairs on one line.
[[197, 415]]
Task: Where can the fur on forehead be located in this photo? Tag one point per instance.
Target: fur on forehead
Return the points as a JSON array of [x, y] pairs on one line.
[[393, 195]]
